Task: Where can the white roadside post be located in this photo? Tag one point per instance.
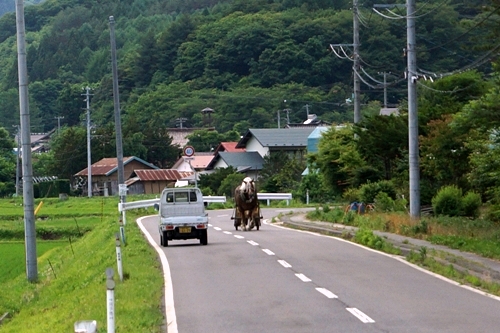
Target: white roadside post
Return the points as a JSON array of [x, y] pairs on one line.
[[122, 231], [122, 192], [119, 258], [110, 299]]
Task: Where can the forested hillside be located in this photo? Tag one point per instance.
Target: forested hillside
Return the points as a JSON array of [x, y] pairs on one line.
[[245, 59], [241, 58]]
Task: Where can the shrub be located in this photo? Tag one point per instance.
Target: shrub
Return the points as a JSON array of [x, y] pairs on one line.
[[471, 203], [448, 201], [326, 208], [368, 192], [383, 203], [351, 194]]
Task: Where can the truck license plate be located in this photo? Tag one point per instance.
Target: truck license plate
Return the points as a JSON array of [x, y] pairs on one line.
[[184, 230]]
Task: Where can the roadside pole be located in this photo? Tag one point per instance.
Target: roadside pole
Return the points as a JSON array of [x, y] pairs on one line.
[[119, 258], [110, 299]]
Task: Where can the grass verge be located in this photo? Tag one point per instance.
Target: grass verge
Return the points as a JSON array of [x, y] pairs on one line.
[[71, 279]]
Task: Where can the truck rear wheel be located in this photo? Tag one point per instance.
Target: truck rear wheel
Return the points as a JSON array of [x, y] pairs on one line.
[[204, 237], [163, 239]]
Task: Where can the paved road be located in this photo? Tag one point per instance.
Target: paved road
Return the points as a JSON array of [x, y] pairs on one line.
[[282, 280]]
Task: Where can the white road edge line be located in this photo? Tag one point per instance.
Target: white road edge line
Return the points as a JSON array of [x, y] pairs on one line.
[[217, 228], [228, 232], [169, 291], [251, 242], [239, 236], [360, 315], [327, 293], [303, 277], [284, 263], [269, 252]]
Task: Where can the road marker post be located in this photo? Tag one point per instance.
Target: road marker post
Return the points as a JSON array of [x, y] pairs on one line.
[[110, 299]]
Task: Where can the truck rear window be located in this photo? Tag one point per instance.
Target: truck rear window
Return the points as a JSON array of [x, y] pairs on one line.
[[182, 196]]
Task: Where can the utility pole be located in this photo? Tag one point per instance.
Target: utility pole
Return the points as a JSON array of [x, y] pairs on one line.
[[356, 64], [116, 98], [412, 111], [385, 88], [18, 137], [58, 123], [356, 61], [287, 111], [89, 159], [28, 198]]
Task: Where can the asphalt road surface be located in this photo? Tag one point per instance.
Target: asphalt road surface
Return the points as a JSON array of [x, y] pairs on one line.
[[282, 280]]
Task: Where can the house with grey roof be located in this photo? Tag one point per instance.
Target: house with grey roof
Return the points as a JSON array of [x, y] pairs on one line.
[[266, 141], [249, 163]]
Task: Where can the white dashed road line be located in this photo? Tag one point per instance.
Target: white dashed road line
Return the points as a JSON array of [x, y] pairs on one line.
[[327, 293], [354, 311], [360, 315], [284, 263], [303, 277], [269, 252]]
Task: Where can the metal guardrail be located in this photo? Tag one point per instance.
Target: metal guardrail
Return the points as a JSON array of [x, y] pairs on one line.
[[275, 196], [124, 206]]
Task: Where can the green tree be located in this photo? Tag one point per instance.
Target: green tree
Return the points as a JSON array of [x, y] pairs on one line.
[[208, 140], [229, 184], [281, 172], [214, 180], [7, 163], [70, 152], [381, 141], [338, 159]]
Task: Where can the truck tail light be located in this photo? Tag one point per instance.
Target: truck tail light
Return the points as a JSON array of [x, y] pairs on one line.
[[201, 226]]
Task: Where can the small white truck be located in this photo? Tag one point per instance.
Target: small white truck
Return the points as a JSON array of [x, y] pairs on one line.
[[182, 215]]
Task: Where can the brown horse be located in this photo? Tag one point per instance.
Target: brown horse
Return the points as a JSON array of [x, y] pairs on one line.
[[247, 205]]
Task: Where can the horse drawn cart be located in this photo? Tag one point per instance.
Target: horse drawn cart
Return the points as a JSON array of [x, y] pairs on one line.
[[246, 212]]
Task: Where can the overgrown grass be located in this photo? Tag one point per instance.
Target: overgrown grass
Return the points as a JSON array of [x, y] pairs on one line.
[[430, 262], [71, 275], [478, 236], [366, 237]]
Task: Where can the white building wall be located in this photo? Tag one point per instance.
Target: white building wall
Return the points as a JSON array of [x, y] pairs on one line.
[[220, 164], [184, 166], [254, 145]]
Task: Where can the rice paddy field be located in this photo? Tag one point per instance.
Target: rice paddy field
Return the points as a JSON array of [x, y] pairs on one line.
[[75, 244]]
